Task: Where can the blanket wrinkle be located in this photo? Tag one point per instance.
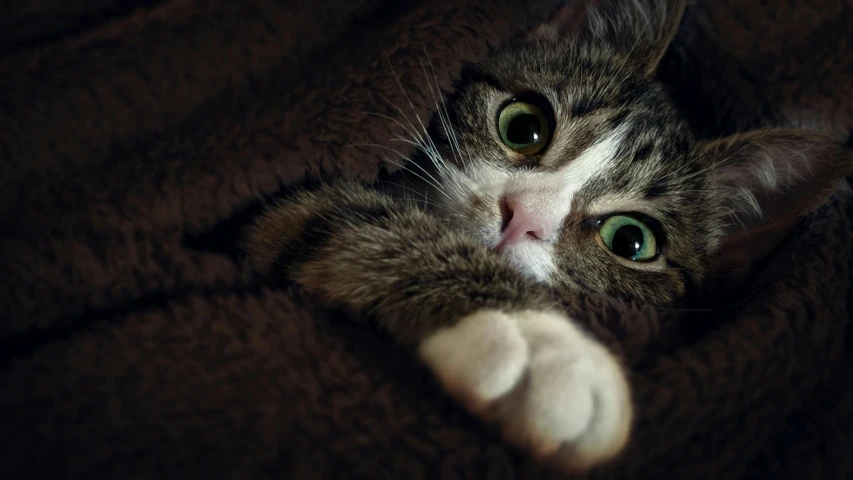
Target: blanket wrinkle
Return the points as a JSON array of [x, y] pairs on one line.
[[161, 64], [783, 63], [135, 345], [181, 200], [24, 24]]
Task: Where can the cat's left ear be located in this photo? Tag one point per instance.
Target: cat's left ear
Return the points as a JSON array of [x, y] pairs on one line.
[[768, 180], [640, 29]]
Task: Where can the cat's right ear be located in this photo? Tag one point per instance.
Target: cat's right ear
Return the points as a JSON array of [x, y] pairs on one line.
[[640, 29], [768, 180]]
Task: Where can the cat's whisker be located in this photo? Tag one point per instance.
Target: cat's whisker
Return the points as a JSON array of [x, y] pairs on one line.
[[446, 123], [441, 107], [442, 169], [435, 96], [409, 131], [428, 182], [418, 146], [417, 141], [428, 146], [405, 169], [424, 141], [424, 197], [414, 110], [456, 153], [434, 183], [433, 157], [377, 146], [417, 138], [412, 129], [429, 154]]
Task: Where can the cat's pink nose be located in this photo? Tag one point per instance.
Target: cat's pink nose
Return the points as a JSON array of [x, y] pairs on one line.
[[526, 217]]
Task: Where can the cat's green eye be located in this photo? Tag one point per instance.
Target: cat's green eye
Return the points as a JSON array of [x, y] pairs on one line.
[[628, 238], [524, 127]]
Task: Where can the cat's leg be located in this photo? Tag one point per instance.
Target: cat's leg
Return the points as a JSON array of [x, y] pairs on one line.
[[488, 334]]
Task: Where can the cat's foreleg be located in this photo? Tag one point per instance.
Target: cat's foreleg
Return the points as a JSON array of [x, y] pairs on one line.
[[489, 334]]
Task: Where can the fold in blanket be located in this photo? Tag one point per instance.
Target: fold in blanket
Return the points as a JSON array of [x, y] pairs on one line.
[[135, 345]]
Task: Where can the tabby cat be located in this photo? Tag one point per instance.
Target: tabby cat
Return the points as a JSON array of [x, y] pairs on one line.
[[559, 164]]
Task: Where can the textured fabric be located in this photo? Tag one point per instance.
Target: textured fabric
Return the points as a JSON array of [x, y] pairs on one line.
[[134, 345]]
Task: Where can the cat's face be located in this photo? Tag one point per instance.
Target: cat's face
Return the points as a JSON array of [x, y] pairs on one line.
[[564, 156], [574, 166]]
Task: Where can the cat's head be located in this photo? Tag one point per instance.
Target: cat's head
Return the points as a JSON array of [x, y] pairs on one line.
[[564, 155]]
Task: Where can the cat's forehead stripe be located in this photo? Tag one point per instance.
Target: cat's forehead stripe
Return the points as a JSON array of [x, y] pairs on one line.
[[593, 161], [592, 164]]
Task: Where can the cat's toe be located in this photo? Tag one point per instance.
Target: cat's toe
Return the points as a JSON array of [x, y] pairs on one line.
[[553, 390], [575, 406], [478, 360]]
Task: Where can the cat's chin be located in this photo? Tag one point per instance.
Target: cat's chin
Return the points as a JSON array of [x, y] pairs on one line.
[[533, 259]]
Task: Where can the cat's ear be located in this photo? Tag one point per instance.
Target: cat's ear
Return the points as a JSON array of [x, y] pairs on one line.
[[640, 29], [768, 180]]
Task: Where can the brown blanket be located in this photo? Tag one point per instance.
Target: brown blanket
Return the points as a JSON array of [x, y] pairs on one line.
[[134, 144]]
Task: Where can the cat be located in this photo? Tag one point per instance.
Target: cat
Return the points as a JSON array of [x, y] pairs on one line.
[[559, 165]]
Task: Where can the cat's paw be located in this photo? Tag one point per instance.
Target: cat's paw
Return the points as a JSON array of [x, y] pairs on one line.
[[553, 390]]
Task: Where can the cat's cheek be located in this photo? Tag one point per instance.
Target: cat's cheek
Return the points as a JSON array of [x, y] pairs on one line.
[[551, 389]]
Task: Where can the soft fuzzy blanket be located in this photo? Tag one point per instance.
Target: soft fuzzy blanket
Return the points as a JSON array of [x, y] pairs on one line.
[[136, 139]]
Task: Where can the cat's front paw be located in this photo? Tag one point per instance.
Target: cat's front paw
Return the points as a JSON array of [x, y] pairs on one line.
[[553, 390]]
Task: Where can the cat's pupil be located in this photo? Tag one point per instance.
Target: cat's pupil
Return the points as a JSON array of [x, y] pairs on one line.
[[524, 129], [628, 241]]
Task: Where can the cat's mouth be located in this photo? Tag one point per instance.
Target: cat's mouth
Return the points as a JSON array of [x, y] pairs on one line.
[[531, 258], [529, 255]]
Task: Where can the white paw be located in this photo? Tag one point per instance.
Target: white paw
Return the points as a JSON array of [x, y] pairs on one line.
[[553, 390]]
